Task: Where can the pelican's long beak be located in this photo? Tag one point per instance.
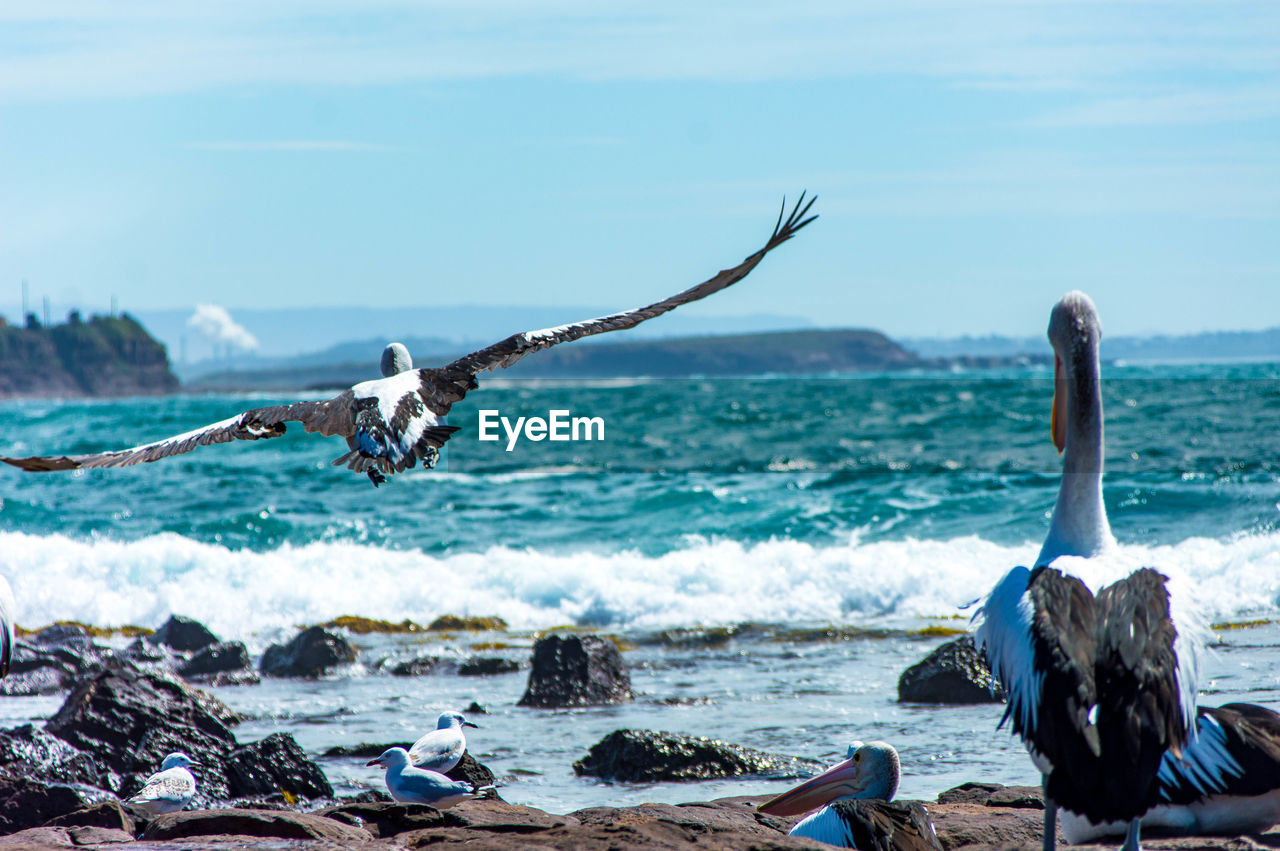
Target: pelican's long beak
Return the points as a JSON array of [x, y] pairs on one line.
[[1058, 417], [839, 781]]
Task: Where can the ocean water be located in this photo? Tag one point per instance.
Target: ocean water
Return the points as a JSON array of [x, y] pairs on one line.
[[835, 517]]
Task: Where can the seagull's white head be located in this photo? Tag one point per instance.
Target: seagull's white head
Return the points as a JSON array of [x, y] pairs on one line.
[[176, 760], [395, 360], [391, 758], [449, 720], [871, 771]]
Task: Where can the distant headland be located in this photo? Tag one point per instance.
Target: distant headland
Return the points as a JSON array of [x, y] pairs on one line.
[[101, 356]]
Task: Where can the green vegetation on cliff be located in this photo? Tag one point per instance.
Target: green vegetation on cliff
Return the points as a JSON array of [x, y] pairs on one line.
[[105, 356]]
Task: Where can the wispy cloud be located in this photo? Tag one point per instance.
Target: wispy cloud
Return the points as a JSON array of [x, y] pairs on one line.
[[53, 49], [1204, 106], [322, 145]]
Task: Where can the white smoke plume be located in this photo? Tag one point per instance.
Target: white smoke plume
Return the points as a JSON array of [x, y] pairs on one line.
[[215, 324]]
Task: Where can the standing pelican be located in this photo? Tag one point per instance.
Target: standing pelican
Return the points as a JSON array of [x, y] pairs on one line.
[[169, 789], [411, 785], [393, 422], [1100, 686], [442, 748], [857, 808]]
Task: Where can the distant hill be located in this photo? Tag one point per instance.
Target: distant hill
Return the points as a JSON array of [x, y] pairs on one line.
[[779, 352], [1207, 346], [105, 356]]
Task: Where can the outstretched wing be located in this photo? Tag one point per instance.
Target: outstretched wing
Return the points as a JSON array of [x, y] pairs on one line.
[[330, 417], [513, 348]]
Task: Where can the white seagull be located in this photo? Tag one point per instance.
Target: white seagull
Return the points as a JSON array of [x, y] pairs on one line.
[[856, 804], [392, 422], [7, 606], [410, 785], [168, 790], [1101, 687], [442, 748]]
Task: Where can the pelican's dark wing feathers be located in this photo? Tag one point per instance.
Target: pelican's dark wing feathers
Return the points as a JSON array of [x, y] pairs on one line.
[[513, 348], [330, 417]]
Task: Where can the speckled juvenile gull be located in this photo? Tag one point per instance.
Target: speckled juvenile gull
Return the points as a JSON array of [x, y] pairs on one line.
[[168, 790]]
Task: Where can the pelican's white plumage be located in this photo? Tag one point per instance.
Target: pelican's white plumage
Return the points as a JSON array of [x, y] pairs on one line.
[[411, 785], [168, 790], [442, 748], [6, 626], [392, 423]]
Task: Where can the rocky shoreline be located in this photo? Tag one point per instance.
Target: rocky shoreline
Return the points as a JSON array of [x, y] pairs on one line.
[[66, 783]]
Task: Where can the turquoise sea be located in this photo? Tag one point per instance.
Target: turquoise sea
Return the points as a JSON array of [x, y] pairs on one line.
[[834, 517]]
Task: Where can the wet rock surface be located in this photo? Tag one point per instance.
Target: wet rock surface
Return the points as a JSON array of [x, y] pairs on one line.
[[953, 673], [183, 634], [260, 823], [576, 670], [310, 654], [487, 666], [644, 756], [216, 658], [275, 765]]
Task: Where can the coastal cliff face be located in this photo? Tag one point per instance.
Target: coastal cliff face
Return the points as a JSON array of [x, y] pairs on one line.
[[104, 356]]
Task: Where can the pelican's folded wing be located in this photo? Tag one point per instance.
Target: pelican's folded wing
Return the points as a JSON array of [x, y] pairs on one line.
[[330, 417], [513, 348]]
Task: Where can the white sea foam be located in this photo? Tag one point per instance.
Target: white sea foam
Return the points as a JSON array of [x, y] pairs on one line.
[[253, 595]]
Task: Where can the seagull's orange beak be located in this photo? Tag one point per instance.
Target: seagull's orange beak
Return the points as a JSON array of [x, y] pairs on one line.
[[839, 781], [1058, 416]]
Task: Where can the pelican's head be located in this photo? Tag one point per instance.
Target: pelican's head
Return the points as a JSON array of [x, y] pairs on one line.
[[453, 719], [395, 360], [1074, 332], [871, 771], [391, 758], [176, 760]]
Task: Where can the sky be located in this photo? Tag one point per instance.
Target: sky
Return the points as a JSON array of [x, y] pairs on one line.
[[974, 159]]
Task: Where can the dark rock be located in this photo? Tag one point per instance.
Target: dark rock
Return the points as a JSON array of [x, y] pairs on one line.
[[969, 793], [725, 816], [953, 673], [39, 681], [102, 814], [143, 652], [242, 822], [470, 770], [64, 635], [130, 719], [312, 652], [419, 667], [963, 825], [64, 837], [227, 678], [27, 751], [487, 666], [217, 658], [1019, 797], [364, 750], [182, 633], [475, 709], [25, 802], [575, 670], [644, 756], [275, 765], [387, 819]]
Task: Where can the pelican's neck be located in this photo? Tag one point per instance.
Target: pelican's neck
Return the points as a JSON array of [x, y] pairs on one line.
[[1079, 526]]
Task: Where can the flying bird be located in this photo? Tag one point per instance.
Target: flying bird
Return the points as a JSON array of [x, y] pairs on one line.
[[854, 807], [410, 785], [168, 790], [395, 421], [442, 748], [1102, 687]]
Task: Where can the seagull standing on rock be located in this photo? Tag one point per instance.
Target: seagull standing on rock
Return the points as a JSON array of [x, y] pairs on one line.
[[410, 785], [395, 421], [442, 748], [168, 790]]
